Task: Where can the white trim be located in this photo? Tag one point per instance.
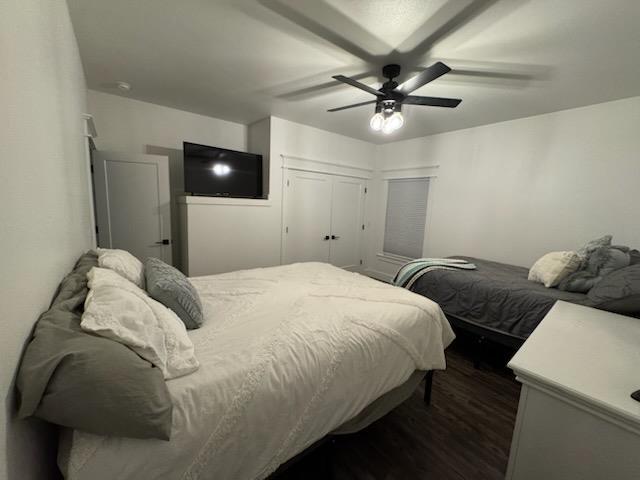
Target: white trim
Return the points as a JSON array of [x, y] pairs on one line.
[[321, 166], [415, 167], [89, 126], [418, 171], [391, 258], [378, 275], [92, 205], [241, 202]]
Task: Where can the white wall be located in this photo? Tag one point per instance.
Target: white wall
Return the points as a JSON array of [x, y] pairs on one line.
[[128, 125], [44, 199], [228, 237], [515, 190]]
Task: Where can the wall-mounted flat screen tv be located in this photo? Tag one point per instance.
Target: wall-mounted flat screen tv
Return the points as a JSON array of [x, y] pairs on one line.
[[222, 173]]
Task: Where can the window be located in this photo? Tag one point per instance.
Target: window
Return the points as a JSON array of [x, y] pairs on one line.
[[406, 217]]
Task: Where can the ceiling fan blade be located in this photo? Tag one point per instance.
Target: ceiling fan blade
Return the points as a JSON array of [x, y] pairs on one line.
[[352, 106], [355, 83], [431, 101], [427, 75]]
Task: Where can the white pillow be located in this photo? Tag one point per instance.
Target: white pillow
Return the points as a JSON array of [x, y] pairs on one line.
[[551, 268], [122, 262], [117, 309]]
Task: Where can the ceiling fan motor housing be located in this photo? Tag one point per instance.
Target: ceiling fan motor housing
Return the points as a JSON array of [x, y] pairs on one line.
[[391, 71]]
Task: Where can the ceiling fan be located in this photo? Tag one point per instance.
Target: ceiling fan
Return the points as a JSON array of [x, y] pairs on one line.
[[391, 96]]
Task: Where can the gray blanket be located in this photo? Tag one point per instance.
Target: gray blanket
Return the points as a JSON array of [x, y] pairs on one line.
[[495, 295]]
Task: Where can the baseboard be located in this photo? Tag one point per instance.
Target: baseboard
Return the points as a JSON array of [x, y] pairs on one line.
[[384, 277]]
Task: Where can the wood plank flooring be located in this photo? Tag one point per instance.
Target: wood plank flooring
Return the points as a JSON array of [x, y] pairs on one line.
[[464, 435]]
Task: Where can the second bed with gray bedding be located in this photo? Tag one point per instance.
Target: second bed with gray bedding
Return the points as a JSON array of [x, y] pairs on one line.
[[495, 296]]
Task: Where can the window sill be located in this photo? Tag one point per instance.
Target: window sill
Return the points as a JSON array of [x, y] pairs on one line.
[[394, 259]]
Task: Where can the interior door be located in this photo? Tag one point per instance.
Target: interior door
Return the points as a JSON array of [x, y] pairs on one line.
[[347, 219], [133, 203], [306, 217]]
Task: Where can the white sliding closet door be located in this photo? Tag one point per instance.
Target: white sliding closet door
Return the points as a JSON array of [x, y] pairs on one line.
[[322, 218], [306, 216], [347, 213]]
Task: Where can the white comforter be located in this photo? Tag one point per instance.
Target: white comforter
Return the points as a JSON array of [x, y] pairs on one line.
[[287, 355]]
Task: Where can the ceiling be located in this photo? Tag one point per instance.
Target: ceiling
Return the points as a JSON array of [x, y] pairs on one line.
[[242, 60]]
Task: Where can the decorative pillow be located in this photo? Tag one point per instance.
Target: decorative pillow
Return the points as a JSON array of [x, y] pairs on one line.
[[601, 262], [122, 262], [634, 256], [551, 268], [90, 383], [171, 288], [618, 292], [117, 309], [592, 245]]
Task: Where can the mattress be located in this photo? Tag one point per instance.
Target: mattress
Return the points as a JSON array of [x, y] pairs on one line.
[[288, 354], [495, 295]]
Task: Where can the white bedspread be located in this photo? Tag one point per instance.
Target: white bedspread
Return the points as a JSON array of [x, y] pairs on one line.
[[287, 355]]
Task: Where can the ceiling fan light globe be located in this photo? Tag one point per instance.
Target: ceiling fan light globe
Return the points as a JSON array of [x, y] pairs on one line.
[[377, 122], [393, 123]]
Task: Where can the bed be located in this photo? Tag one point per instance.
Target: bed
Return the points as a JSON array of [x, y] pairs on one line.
[[495, 301], [288, 355]]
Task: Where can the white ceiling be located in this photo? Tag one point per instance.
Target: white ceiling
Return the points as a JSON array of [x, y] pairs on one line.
[[242, 60]]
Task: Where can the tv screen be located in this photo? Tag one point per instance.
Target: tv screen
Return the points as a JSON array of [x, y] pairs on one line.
[[220, 172]]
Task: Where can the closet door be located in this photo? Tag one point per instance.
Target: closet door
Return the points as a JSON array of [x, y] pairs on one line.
[[306, 217], [347, 218]]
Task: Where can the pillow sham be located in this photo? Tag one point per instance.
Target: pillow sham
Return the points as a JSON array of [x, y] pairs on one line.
[[551, 268], [618, 292], [86, 382], [170, 287], [123, 263], [117, 309]]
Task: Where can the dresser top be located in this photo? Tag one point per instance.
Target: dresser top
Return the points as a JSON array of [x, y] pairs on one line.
[[586, 354]]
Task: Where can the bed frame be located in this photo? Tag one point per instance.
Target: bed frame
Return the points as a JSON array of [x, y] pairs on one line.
[[330, 439], [486, 333]]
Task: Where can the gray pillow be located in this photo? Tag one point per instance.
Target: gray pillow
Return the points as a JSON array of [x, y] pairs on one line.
[[635, 256], [618, 292], [600, 263], [170, 287], [592, 245], [82, 381]]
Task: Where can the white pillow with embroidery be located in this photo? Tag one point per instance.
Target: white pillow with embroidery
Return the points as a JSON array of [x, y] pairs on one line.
[[115, 308], [553, 267], [123, 263]]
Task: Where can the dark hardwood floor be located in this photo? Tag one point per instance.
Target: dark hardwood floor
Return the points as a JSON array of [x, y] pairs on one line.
[[464, 435]]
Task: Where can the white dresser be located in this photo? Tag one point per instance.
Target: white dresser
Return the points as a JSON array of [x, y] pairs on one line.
[[576, 419]]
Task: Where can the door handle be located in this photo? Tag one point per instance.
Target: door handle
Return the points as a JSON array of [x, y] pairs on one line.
[[335, 237], [326, 237], [164, 241]]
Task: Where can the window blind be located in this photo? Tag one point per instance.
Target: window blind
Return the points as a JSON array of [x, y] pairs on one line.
[[406, 216]]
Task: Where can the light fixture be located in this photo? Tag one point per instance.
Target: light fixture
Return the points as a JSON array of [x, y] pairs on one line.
[[221, 169], [376, 122], [393, 123], [388, 117]]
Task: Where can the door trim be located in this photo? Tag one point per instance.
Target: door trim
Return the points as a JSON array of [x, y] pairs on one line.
[[321, 166]]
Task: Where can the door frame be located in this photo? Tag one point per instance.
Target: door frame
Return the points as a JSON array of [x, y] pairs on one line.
[[100, 186]]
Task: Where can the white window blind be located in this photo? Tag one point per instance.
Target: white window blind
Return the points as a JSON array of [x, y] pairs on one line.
[[406, 216]]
